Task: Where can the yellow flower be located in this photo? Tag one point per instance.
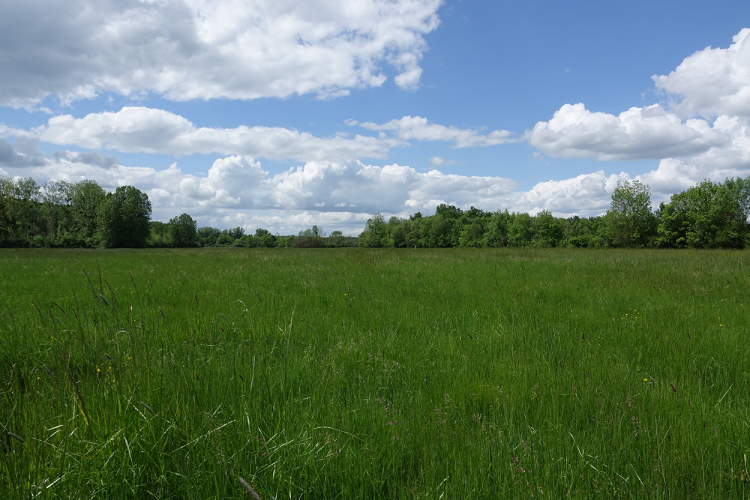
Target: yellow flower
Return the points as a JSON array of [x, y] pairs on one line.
[[645, 380], [98, 370]]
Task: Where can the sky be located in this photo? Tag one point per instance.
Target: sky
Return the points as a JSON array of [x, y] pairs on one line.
[[286, 114]]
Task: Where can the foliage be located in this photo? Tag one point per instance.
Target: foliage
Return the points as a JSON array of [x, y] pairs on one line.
[[630, 220], [183, 231], [708, 215], [62, 214], [705, 216], [123, 218], [86, 199]]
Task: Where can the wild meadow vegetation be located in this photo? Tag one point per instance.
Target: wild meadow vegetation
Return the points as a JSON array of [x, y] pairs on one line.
[[383, 373]]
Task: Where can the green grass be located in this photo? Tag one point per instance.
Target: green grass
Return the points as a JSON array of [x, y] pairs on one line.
[[513, 373]]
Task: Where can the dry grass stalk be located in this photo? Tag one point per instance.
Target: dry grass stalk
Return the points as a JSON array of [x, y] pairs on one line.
[[249, 489]]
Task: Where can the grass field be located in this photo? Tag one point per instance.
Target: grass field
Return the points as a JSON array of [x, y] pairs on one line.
[[512, 373]]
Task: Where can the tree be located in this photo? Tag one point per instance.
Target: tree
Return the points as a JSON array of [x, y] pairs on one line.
[[498, 228], [375, 232], [629, 219], [549, 231], [335, 238], [123, 218], [183, 231], [27, 194], [471, 235], [85, 199], [448, 211], [7, 217], [56, 196], [705, 216]]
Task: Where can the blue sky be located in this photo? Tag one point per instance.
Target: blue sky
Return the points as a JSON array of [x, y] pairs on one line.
[[296, 113]]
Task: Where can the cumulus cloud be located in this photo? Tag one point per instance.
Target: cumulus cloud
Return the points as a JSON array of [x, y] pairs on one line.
[[201, 49], [148, 130], [638, 133], [733, 160], [237, 191], [712, 81], [239, 183], [587, 194], [418, 128], [23, 152]]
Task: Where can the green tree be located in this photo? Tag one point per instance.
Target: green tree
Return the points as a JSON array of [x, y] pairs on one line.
[[548, 230], [521, 231], [85, 199], [375, 232], [629, 219], [705, 216], [123, 218], [183, 231], [498, 227], [56, 199], [27, 214], [7, 216]]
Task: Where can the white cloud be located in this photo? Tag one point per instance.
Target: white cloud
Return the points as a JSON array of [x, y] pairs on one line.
[[200, 49], [587, 194], [391, 189], [147, 130], [436, 161], [732, 160], [418, 128], [337, 196], [712, 81], [638, 133]]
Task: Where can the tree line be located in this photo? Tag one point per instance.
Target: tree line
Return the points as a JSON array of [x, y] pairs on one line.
[[62, 214], [709, 215], [65, 214]]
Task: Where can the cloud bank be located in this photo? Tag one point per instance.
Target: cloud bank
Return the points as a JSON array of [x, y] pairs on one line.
[[237, 191], [200, 49]]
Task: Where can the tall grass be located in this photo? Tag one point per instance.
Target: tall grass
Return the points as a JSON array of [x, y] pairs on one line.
[[511, 373]]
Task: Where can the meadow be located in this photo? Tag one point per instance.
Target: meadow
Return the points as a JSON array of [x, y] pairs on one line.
[[354, 373]]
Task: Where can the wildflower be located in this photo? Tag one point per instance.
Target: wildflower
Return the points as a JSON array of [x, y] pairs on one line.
[[645, 380], [98, 370]]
